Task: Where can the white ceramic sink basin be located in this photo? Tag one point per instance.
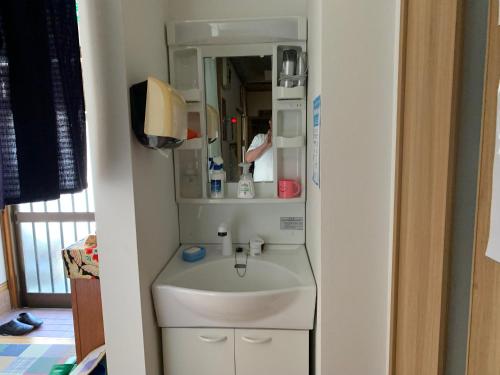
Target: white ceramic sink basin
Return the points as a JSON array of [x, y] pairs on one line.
[[277, 290]]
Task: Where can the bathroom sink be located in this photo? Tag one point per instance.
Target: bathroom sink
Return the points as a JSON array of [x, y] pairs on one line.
[[277, 290]]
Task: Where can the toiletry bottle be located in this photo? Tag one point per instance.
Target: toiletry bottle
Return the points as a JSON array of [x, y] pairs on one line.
[[246, 187], [217, 179]]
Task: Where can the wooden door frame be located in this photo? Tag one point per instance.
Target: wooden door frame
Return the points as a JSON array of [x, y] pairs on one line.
[[9, 256], [431, 39], [483, 352]]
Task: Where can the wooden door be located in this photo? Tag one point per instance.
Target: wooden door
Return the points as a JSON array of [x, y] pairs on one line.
[[484, 329], [431, 40]]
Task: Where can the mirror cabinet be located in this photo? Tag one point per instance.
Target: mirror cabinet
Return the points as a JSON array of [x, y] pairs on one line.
[[239, 96]]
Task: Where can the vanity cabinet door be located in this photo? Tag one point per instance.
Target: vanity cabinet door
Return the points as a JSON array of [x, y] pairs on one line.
[[271, 352], [192, 351]]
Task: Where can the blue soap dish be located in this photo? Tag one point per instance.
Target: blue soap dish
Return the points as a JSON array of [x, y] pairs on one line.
[[193, 253]]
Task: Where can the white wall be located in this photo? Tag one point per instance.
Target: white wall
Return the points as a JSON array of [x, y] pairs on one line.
[[136, 215], [350, 237], [349, 241], [104, 73], [156, 211], [313, 204]]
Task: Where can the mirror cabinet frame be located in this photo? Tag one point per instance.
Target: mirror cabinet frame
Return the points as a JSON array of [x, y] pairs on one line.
[[187, 75]]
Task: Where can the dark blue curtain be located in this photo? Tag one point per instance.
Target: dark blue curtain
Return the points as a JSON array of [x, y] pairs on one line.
[[42, 113]]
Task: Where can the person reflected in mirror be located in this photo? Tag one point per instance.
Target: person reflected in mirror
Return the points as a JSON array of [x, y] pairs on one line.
[[260, 152]]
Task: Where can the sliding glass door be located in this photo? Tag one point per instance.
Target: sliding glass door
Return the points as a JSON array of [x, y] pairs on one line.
[[43, 229]]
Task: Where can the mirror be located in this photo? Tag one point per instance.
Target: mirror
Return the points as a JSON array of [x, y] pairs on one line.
[[238, 93]]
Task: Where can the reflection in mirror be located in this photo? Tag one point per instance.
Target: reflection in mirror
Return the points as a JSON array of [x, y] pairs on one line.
[[239, 111]]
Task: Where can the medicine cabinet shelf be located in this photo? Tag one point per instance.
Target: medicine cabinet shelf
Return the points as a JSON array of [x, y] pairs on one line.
[[189, 173], [191, 95], [289, 142], [264, 193], [289, 129], [290, 163], [242, 201], [185, 69], [192, 144], [286, 93]]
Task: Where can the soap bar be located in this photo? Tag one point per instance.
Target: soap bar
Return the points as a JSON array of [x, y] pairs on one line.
[[194, 253]]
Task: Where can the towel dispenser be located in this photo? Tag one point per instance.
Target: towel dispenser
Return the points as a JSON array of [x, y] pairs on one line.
[[158, 114]]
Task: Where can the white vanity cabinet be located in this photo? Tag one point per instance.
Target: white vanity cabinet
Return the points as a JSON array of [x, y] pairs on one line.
[[192, 351], [271, 352], [214, 351]]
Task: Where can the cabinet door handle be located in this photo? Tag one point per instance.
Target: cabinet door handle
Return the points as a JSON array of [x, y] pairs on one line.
[[213, 339], [252, 340]]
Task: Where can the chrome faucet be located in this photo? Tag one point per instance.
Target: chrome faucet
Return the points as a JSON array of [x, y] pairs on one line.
[[227, 243]]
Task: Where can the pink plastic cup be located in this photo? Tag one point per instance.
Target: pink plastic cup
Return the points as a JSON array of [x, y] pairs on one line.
[[288, 188]]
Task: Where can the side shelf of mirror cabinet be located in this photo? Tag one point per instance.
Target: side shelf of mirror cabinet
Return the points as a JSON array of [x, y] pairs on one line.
[[289, 117]]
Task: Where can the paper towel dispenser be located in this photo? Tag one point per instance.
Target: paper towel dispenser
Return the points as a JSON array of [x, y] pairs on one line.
[[159, 114]]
